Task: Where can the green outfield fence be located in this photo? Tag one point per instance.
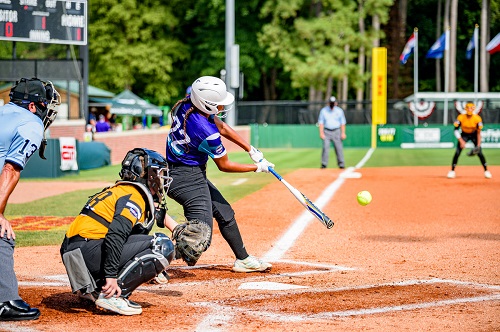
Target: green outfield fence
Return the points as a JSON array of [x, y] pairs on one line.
[[359, 136]]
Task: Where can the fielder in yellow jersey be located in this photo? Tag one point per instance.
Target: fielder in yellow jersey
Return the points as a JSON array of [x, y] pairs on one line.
[[468, 127]]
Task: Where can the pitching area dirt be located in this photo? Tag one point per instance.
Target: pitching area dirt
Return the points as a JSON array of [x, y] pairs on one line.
[[424, 255]]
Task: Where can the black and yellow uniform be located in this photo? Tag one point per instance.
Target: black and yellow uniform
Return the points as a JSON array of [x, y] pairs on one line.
[[106, 222], [468, 127]]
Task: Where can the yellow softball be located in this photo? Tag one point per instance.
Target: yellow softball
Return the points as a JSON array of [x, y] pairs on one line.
[[364, 198]]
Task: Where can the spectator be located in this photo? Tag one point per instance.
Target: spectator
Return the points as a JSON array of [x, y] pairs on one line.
[[102, 125]]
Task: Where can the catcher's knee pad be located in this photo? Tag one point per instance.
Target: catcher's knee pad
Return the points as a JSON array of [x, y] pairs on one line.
[[143, 268]]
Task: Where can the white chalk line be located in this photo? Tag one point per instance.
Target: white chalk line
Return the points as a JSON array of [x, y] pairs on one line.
[[232, 311], [13, 327], [239, 181], [287, 240], [61, 280]]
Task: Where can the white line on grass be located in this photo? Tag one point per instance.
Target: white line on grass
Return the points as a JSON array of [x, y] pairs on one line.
[[239, 181], [299, 225]]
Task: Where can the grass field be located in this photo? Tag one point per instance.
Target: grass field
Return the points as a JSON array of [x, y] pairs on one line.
[[286, 161]]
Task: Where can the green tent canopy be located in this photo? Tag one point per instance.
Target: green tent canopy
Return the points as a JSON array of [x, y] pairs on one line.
[[128, 103]]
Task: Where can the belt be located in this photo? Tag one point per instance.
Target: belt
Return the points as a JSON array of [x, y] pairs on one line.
[[172, 166], [332, 129]]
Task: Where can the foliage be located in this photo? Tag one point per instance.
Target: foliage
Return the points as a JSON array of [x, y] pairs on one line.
[[157, 48], [132, 47]]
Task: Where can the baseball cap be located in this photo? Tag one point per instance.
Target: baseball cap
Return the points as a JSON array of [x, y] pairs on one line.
[[333, 99]]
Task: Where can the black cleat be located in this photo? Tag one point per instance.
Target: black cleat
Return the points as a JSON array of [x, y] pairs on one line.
[[17, 310]]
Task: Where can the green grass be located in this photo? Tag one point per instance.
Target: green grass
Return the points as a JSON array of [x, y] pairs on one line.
[[286, 160]]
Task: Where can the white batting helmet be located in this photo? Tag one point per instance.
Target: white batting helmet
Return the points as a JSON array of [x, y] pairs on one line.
[[208, 92]]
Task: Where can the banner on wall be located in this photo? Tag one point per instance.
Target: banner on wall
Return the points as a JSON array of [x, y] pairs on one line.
[[68, 154]]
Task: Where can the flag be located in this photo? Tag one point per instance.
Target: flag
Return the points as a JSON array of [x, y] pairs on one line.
[[494, 45], [437, 49], [408, 50], [470, 47]]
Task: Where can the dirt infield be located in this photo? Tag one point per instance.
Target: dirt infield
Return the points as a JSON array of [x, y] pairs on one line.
[[423, 256]]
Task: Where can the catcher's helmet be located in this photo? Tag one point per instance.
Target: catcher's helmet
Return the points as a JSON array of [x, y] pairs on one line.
[[208, 93], [43, 94], [149, 168]]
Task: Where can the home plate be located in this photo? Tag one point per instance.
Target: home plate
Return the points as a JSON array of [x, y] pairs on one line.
[[350, 175], [267, 285]]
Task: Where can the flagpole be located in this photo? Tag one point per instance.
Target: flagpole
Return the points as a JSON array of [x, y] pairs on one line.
[[476, 61], [415, 78], [446, 75]]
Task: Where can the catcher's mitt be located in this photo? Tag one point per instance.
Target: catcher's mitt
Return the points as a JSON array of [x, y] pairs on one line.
[[191, 240], [474, 151]]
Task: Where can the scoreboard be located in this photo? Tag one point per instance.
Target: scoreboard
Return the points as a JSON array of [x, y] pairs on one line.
[[44, 21]]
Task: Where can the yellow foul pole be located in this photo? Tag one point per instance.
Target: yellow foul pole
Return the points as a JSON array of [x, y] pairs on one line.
[[379, 90]]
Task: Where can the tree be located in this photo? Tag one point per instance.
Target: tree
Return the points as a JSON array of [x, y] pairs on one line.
[[131, 47]]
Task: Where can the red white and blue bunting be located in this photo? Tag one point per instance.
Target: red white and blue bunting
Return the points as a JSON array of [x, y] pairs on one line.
[[423, 109], [460, 106]]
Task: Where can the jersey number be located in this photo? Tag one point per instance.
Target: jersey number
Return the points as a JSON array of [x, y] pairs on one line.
[[28, 149]]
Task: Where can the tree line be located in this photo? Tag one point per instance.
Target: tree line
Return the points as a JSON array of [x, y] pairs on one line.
[[289, 49]]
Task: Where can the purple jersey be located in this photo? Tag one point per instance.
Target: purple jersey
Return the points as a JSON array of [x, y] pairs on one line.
[[201, 139]]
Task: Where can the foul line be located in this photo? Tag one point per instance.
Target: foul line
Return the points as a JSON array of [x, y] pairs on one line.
[[299, 225]]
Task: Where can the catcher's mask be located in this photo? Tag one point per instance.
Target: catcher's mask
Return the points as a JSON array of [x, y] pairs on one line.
[[41, 93], [149, 168]]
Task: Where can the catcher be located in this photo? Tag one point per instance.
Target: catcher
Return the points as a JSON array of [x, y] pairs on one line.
[[468, 128], [107, 251]]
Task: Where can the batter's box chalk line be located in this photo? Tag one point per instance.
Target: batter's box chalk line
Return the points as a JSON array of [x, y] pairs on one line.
[[232, 311]]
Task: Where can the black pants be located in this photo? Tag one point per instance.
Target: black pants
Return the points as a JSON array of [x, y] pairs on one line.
[[468, 137], [93, 254], [201, 200]]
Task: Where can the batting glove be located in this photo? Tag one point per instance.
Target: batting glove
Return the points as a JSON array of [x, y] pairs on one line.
[[263, 166], [255, 154]]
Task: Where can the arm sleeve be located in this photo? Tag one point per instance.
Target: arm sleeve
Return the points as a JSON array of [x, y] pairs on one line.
[[118, 232]]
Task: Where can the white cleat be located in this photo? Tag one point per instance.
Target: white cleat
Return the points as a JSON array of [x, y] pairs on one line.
[[251, 264], [118, 305], [451, 175], [487, 174]]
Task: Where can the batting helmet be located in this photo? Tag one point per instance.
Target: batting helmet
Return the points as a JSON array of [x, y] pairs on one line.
[[208, 93]]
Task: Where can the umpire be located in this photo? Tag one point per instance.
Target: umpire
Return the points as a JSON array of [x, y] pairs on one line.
[[24, 120], [332, 123]]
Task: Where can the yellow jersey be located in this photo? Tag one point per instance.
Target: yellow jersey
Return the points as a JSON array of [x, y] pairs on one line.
[[123, 199], [468, 124]]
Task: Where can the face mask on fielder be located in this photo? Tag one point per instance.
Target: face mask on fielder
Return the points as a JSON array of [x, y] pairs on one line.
[[469, 108]]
